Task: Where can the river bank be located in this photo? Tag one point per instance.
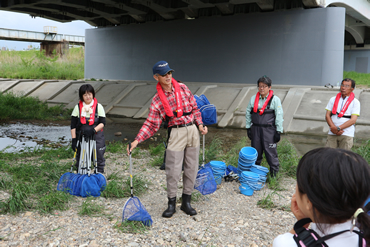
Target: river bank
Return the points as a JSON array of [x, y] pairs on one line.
[[225, 218]]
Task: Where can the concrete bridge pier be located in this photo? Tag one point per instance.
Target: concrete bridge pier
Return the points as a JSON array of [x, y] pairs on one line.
[[49, 46]]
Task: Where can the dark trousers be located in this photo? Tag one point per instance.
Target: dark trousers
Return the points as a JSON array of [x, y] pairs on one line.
[[263, 141]]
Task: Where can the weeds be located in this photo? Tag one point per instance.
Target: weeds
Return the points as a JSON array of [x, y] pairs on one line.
[[90, 208], [120, 189], [116, 147], [131, 227], [288, 158], [363, 150], [231, 156], [35, 65], [17, 201], [18, 107], [54, 200], [267, 202], [360, 78]]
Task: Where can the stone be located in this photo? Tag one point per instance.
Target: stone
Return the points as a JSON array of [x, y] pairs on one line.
[[118, 133]]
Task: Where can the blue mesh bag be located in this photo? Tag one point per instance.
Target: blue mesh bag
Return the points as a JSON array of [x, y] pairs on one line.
[[134, 210], [64, 180], [207, 110], [92, 185], [205, 182], [209, 114]]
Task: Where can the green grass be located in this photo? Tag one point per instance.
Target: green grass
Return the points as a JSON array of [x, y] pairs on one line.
[[116, 147], [363, 150], [360, 78], [131, 227], [119, 188], [31, 179], [90, 208], [34, 64], [17, 107]]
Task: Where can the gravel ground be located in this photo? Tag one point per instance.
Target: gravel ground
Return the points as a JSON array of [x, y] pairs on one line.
[[225, 218]]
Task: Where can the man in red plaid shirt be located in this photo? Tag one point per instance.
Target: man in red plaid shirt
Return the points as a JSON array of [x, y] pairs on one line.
[[176, 105]]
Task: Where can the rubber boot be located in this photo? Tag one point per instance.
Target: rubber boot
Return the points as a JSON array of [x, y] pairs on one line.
[[171, 208], [186, 207]]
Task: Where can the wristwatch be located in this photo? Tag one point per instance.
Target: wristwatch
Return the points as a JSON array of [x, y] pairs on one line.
[[338, 128]]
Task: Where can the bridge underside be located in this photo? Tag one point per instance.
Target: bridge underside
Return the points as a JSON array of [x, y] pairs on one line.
[[101, 13], [159, 13]]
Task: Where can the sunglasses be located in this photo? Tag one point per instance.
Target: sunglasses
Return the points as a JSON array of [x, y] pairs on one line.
[[168, 73]]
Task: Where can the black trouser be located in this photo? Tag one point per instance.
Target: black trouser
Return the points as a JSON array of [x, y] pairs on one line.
[[263, 141]]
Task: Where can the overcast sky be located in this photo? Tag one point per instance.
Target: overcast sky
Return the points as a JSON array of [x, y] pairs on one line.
[[13, 20]]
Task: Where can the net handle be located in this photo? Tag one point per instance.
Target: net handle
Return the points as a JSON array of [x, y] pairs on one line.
[[131, 186], [204, 138]]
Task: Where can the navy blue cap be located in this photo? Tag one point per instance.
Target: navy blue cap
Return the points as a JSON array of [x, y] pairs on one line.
[[161, 68]]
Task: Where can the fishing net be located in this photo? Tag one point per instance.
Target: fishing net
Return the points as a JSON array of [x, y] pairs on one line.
[[92, 185], [205, 182], [134, 210], [64, 180]]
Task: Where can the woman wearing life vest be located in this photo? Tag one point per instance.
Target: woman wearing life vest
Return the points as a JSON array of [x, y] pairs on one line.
[[88, 120], [332, 188], [264, 123]]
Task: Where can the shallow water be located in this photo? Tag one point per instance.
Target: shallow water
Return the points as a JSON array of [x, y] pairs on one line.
[[20, 136]]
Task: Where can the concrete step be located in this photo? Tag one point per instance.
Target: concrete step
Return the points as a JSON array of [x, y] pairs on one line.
[[304, 106]]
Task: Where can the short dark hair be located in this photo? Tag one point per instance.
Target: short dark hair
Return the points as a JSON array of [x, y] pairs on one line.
[[85, 88], [353, 83], [264, 79], [337, 182]]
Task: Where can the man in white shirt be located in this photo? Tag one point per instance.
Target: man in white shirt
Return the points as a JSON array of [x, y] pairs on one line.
[[341, 115]]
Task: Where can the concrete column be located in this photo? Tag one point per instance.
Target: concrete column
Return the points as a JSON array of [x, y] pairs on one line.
[[60, 47]]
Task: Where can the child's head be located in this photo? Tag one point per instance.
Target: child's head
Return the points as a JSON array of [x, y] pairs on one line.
[[336, 181], [86, 89]]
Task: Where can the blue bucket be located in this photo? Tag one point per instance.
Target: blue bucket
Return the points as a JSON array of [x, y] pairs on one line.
[[218, 168], [218, 179], [246, 190], [259, 170], [249, 153]]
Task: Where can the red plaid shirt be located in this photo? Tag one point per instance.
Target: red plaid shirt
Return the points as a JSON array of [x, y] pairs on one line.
[[157, 113]]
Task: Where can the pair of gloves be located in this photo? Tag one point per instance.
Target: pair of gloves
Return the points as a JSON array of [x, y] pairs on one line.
[[276, 135], [88, 132]]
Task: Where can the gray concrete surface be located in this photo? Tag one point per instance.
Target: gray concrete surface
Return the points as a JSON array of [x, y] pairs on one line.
[[292, 47], [304, 107]]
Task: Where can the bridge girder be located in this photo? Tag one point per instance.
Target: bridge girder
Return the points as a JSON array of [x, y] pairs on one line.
[[102, 13]]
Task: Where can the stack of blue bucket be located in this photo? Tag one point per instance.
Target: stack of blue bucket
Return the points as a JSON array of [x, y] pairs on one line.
[[249, 183], [261, 171], [252, 177], [218, 169], [247, 158]]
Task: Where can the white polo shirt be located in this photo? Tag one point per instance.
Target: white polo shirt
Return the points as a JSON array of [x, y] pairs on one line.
[[353, 109], [347, 239]]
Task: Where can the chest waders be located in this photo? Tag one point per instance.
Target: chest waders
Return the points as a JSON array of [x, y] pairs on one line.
[[263, 130], [100, 141]]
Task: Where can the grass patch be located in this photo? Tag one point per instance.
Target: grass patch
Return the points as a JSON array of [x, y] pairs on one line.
[[288, 158], [231, 156], [18, 107], [267, 202], [54, 200], [116, 147], [34, 64], [120, 189], [360, 78], [363, 150], [90, 208], [131, 227]]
